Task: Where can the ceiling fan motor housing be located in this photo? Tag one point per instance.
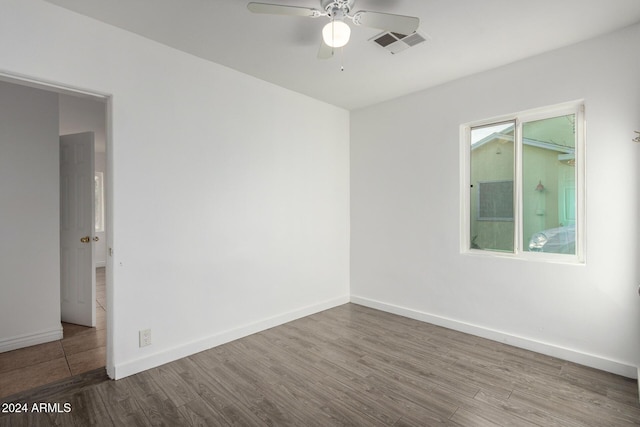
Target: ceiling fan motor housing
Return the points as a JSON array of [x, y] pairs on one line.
[[337, 5]]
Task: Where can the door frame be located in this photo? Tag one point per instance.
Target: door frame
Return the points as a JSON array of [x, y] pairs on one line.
[[63, 88]]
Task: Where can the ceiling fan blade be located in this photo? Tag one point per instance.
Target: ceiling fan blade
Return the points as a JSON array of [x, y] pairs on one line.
[[325, 51], [277, 9], [386, 21]]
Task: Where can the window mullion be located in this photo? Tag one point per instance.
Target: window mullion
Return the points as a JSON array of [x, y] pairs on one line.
[[517, 188]]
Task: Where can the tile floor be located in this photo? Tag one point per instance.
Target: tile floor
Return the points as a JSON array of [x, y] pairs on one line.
[[81, 350]]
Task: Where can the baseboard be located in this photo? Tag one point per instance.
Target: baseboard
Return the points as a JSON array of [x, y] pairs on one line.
[[122, 370], [560, 352], [28, 340]]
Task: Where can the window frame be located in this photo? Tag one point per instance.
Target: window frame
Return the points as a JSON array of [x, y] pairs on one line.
[[519, 252]]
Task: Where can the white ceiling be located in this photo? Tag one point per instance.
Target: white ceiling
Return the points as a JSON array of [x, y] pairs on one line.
[[466, 37]]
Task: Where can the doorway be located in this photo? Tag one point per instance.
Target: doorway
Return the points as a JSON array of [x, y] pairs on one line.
[[78, 111]]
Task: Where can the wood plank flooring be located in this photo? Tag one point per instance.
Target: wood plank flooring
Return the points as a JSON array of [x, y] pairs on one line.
[[353, 366]]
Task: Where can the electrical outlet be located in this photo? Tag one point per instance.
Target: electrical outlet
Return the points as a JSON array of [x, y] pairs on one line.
[[145, 337]]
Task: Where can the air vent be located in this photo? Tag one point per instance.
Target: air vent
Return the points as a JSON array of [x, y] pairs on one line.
[[396, 42]]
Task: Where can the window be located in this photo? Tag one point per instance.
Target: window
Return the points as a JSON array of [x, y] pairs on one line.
[[523, 191]]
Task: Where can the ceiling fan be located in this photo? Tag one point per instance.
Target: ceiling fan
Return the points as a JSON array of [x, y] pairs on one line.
[[336, 33]]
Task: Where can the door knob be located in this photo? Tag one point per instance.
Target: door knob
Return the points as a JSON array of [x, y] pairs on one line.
[[95, 239], [85, 239]]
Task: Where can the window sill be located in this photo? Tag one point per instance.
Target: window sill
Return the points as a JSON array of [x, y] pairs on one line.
[[528, 256]]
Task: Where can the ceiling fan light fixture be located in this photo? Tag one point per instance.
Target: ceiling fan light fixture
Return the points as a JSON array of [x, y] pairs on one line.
[[336, 33]]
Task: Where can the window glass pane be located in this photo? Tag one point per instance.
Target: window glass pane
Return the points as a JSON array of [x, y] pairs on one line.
[[549, 185], [492, 174]]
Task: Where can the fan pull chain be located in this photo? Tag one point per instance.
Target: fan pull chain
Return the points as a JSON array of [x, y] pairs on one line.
[[342, 59]]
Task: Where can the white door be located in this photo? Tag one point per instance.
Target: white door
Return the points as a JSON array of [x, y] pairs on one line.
[[77, 229]]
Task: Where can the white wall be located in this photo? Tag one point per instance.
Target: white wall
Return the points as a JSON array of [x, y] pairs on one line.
[[29, 217], [83, 114], [230, 195], [405, 204]]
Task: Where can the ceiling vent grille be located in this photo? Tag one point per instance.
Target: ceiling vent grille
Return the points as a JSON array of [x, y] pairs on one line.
[[396, 42]]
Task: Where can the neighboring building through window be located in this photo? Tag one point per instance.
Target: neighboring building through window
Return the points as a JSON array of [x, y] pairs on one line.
[[524, 183]]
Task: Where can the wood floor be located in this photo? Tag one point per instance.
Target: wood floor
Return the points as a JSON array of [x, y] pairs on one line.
[[354, 366], [81, 350]]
